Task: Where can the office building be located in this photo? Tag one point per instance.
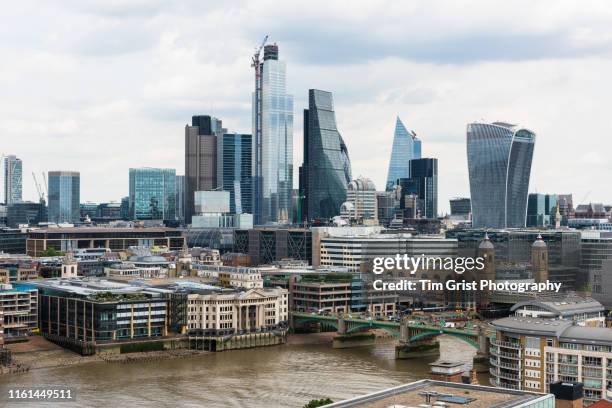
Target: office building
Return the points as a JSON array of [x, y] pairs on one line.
[[200, 158], [326, 170], [460, 206], [234, 171], [406, 147], [64, 196], [13, 241], [272, 140], [108, 212], [19, 303], [541, 210], [532, 353], [566, 208], [423, 183], [179, 198], [26, 212], [596, 266], [116, 239], [87, 211], [13, 172], [499, 163], [152, 194], [432, 393], [361, 206], [267, 245], [388, 204], [212, 210]]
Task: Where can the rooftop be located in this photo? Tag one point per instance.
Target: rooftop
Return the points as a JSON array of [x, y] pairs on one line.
[[564, 306], [464, 395]]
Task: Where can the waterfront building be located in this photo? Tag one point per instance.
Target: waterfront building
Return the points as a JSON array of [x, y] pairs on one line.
[[116, 239], [89, 310], [152, 194], [461, 206], [19, 303], [361, 206], [234, 171], [13, 178], [266, 245], [423, 184], [513, 249], [541, 210], [26, 213], [582, 310], [64, 196], [532, 353], [406, 147], [200, 158], [179, 198], [431, 393], [326, 170], [272, 140], [499, 163]]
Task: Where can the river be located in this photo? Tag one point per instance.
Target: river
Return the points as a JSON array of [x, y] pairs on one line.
[[280, 376]]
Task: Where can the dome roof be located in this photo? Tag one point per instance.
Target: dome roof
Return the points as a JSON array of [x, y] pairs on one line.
[[539, 243], [363, 184], [486, 243]]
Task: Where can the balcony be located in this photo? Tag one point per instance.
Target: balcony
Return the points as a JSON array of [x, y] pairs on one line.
[[506, 344], [501, 364], [496, 383], [501, 374], [513, 356]]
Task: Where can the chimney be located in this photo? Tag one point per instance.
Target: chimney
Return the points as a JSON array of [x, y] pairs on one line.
[[448, 371], [567, 394]]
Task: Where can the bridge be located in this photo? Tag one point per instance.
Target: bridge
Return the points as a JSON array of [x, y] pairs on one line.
[[409, 333]]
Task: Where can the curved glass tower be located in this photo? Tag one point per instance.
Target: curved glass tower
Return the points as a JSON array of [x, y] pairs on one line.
[[406, 147], [327, 169], [499, 164]]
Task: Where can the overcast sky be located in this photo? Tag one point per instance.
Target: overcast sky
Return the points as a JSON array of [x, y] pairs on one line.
[[101, 86]]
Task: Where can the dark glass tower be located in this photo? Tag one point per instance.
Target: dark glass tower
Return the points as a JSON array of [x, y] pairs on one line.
[[423, 183], [64, 196], [326, 171], [499, 164], [234, 172]]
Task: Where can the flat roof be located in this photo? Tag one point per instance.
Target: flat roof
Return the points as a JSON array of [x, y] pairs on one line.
[[63, 230], [564, 306], [472, 396], [565, 330]]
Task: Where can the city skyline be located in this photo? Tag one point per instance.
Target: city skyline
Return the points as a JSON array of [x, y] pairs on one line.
[[432, 87]]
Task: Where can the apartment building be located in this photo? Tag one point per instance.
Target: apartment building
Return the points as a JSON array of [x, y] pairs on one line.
[[531, 353], [19, 306]]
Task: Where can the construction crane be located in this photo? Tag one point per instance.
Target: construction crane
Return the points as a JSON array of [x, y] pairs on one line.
[[44, 177], [41, 193], [255, 61]]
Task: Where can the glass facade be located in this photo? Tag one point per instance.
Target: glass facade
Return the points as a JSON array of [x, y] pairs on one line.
[[64, 196], [234, 173], [499, 164], [541, 210], [406, 147], [326, 172], [12, 179], [180, 198], [272, 141], [152, 194], [423, 183]]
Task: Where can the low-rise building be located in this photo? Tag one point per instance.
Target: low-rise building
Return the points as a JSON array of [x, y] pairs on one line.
[[230, 276], [129, 269], [17, 269], [19, 306], [584, 311]]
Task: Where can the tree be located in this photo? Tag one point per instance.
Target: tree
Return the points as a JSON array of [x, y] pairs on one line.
[[50, 251], [318, 403]]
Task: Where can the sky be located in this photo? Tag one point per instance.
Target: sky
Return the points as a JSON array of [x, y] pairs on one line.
[[100, 86]]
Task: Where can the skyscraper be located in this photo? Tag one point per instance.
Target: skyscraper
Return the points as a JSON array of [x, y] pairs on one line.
[[12, 180], [541, 209], [152, 194], [179, 198], [326, 171], [64, 196], [406, 147], [272, 140], [499, 163], [200, 158], [234, 174], [423, 183]]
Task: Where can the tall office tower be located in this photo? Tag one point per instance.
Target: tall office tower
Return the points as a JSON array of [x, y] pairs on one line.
[[64, 196], [179, 198], [460, 206], [152, 194], [234, 174], [406, 147], [423, 182], [541, 210], [200, 158], [499, 163], [326, 171], [125, 208], [12, 180], [272, 140]]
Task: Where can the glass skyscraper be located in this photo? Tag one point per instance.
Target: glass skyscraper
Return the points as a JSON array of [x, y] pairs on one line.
[[499, 163], [179, 198], [234, 171], [64, 196], [272, 141], [12, 179], [326, 171], [152, 194], [406, 147], [423, 183]]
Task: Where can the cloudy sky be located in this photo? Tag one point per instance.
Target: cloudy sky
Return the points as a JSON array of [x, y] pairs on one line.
[[100, 86]]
